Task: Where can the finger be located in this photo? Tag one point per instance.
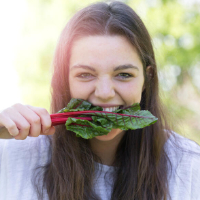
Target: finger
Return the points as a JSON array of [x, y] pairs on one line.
[[51, 131], [32, 126], [9, 125], [15, 123], [23, 133], [23, 127], [44, 118]]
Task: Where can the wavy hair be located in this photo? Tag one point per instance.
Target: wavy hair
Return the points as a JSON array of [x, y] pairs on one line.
[[141, 159]]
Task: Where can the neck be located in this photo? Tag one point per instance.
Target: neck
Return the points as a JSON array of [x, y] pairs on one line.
[[106, 150]]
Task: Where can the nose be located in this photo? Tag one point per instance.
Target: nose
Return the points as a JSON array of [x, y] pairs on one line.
[[104, 89]]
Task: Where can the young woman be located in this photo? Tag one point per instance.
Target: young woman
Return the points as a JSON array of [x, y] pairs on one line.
[[104, 56]]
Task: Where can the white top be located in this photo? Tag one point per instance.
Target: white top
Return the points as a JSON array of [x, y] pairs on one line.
[[18, 159]]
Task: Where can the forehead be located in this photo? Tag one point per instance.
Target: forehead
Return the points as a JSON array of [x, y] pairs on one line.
[[103, 51]]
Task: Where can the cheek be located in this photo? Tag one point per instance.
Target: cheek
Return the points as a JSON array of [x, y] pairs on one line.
[[74, 89], [131, 92], [78, 89]]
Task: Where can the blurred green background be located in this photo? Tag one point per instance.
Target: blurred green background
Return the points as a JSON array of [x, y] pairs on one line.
[[173, 25]]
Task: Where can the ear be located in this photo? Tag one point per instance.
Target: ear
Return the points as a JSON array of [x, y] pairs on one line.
[[149, 75], [149, 72]]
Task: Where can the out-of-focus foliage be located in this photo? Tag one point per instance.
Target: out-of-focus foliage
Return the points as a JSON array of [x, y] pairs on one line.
[[173, 26]]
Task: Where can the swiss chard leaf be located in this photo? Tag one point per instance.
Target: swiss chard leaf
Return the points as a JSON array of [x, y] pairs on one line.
[[136, 120], [79, 105], [86, 129], [130, 109], [103, 122]]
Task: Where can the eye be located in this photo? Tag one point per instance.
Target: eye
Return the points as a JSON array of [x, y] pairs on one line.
[[125, 75], [85, 75]]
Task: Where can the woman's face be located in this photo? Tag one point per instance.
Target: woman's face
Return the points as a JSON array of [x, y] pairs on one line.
[[106, 71]]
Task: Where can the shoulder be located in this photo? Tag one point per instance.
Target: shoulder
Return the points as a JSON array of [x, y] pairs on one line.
[[180, 143], [29, 142], [184, 157], [19, 164], [183, 150], [30, 148]]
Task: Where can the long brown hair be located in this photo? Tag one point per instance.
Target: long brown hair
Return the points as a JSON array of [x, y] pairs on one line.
[[141, 160]]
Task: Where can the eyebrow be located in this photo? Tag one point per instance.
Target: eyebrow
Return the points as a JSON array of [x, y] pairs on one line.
[[120, 67]]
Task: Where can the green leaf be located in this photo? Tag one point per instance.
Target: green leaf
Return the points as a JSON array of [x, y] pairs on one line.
[[103, 122], [86, 129], [79, 105], [129, 110], [136, 120]]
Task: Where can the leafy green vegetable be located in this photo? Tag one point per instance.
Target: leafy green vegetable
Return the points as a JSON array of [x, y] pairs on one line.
[[102, 121]]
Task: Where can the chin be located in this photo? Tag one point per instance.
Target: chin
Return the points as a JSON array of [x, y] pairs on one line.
[[114, 134]]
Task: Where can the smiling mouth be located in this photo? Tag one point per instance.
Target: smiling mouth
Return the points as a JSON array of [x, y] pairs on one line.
[[113, 108], [118, 107]]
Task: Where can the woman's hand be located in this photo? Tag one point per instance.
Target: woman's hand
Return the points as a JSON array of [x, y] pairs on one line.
[[25, 120]]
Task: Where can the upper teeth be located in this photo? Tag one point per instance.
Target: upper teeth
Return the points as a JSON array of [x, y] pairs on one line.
[[111, 109]]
